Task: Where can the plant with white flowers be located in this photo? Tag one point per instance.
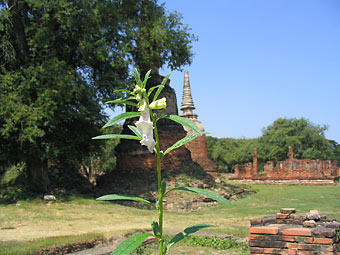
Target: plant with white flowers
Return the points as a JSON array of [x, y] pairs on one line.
[[145, 130]]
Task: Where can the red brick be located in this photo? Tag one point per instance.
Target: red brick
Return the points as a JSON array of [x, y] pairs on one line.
[[287, 210], [324, 232], [274, 238], [266, 244], [317, 240], [269, 230], [255, 250], [275, 251], [310, 247], [292, 252], [302, 239], [287, 238], [296, 232], [305, 253], [282, 216], [292, 245]]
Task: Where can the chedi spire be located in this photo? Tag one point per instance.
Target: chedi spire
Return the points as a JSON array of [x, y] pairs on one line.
[[198, 147], [187, 105]]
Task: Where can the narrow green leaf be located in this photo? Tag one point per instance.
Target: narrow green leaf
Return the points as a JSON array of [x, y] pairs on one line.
[[183, 141], [203, 192], [146, 78], [184, 122], [123, 197], [136, 131], [126, 91], [152, 89], [163, 186], [187, 232], [161, 87], [120, 117], [130, 244], [120, 100], [137, 77], [116, 136], [155, 228]]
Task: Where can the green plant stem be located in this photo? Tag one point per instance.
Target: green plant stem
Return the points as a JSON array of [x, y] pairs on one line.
[[160, 192]]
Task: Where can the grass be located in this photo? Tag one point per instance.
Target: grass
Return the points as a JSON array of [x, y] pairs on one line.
[[36, 224], [199, 245]]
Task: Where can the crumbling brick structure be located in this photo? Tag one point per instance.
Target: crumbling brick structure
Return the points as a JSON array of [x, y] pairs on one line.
[[290, 234], [290, 171], [134, 158], [198, 147]]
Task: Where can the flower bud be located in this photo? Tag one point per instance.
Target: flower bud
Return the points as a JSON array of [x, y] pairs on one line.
[[158, 104]]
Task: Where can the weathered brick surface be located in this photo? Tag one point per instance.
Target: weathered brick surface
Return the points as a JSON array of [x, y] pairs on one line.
[[290, 171], [280, 236], [296, 232], [269, 230], [287, 210]]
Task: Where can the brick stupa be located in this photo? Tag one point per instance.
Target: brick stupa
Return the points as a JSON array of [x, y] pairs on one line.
[[197, 147], [133, 158]]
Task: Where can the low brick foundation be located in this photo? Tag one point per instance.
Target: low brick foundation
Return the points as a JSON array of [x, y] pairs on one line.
[[286, 233]]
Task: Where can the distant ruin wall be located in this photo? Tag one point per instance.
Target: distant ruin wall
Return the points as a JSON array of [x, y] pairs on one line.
[[290, 171]]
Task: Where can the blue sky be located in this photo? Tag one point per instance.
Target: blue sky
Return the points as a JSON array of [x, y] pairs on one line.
[[258, 60]]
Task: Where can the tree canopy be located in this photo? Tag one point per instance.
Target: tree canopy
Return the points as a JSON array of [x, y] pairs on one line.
[[60, 60], [306, 138]]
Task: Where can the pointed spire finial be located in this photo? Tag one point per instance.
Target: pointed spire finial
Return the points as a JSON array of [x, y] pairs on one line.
[[187, 102]]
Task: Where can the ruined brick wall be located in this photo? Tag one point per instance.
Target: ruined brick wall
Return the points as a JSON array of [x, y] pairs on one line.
[[244, 171], [134, 158], [290, 234], [199, 154], [290, 171]]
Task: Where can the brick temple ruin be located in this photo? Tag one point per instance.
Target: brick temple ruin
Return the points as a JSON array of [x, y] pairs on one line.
[[134, 158], [198, 147], [287, 233], [289, 171]]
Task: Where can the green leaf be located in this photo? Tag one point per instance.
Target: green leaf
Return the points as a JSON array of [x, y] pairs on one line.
[[123, 197], [130, 244], [117, 136], [155, 228], [187, 232], [123, 100], [203, 192], [136, 131], [161, 87], [146, 78], [184, 122], [152, 89], [183, 141], [126, 91], [163, 186], [120, 117], [137, 77]]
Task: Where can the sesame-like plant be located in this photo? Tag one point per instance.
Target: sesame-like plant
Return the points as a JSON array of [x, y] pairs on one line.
[[145, 130]]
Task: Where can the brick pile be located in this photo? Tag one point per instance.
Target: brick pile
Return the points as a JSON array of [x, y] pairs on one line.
[[287, 233]]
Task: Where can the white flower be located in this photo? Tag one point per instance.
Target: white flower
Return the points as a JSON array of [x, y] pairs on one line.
[[145, 126], [158, 104]]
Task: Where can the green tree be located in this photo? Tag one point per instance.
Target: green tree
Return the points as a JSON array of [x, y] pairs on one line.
[[59, 60], [227, 152], [158, 37], [306, 138]]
